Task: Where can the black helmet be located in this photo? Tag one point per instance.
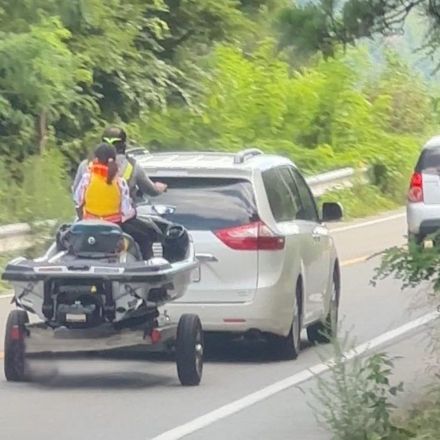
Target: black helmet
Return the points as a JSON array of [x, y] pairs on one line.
[[117, 137]]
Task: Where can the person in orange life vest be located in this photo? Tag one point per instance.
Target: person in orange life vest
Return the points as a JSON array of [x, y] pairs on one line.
[[101, 193]]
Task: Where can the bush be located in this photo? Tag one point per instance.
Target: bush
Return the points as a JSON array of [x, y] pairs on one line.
[[356, 400], [411, 265], [35, 190]]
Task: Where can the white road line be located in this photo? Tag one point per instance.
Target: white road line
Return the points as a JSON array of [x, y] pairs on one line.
[[6, 295], [368, 223], [251, 399]]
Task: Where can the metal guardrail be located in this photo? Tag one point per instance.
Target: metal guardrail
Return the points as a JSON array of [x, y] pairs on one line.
[[337, 179], [20, 236]]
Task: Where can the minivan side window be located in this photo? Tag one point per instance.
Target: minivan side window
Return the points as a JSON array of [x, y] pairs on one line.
[[287, 176], [280, 201], [309, 211]]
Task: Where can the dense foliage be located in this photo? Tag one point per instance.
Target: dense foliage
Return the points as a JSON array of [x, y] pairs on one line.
[[185, 74], [325, 24], [66, 66], [334, 113]]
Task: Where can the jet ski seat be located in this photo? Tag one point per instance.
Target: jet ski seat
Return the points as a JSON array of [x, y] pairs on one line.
[[95, 238]]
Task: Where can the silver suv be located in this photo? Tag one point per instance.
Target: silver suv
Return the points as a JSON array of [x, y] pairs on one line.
[[423, 207], [268, 263]]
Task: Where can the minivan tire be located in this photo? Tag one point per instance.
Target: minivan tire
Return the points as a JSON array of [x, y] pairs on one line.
[[322, 332], [288, 347]]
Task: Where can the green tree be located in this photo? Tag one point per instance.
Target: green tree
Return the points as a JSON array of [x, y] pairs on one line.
[[330, 114], [82, 63], [326, 24], [38, 82]]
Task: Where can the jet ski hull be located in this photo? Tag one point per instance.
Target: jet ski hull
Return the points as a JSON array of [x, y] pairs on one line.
[[153, 283]]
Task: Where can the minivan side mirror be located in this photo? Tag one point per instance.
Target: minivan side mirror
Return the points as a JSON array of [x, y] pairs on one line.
[[332, 212]]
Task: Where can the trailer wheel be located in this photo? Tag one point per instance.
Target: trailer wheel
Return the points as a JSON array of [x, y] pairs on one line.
[[15, 352], [189, 350]]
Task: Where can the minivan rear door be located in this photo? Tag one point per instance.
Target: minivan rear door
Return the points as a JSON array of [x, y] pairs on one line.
[[211, 208]]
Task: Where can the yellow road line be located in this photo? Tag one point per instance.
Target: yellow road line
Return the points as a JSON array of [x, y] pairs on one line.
[[355, 261]]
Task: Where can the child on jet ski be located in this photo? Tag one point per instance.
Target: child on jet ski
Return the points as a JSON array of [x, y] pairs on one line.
[[102, 194]]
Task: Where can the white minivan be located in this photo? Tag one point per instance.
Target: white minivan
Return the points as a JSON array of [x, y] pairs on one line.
[[268, 263]]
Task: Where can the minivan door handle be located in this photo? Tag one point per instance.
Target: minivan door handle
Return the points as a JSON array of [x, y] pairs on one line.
[[207, 258]]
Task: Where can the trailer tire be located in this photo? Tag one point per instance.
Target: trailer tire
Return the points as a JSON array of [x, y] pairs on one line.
[[15, 350], [189, 350]]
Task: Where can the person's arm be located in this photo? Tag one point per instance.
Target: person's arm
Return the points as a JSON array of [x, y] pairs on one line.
[[145, 184], [79, 193], [82, 168]]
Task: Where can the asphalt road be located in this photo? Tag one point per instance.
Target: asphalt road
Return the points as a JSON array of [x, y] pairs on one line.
[[137, 396]]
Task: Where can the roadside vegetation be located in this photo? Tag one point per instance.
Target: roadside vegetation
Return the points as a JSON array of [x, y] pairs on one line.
[[217, 74], [357, 399], [361, 200], [224, 75]]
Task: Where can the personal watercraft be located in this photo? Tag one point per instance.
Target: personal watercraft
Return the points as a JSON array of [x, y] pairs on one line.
[[92, 291]]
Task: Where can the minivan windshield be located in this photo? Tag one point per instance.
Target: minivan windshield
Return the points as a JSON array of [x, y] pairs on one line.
[[205, 203]]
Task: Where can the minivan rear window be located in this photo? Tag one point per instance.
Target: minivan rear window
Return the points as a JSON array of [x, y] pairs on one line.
[[208, 204], [429, 161]]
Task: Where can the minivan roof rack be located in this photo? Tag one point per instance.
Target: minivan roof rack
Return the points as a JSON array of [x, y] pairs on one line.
[[246, 154], [136, 151]]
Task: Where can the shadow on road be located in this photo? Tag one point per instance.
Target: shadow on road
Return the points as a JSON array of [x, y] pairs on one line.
[[123, 380], [216, 351], [128, 368]]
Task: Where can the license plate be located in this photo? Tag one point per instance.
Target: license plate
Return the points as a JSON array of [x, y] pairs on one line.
[[76, 318], [196, 275]]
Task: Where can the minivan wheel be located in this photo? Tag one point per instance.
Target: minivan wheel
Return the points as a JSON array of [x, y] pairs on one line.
[[288, 347], [322, 332]]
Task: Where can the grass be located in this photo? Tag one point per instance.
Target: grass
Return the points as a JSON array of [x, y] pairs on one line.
[[360, 201], [41, 193], [423, 421]]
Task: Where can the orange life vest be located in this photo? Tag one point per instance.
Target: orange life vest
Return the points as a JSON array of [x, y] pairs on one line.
[[102, 200]]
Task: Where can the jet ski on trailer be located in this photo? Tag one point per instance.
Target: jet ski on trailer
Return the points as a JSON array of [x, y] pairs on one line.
[[92, 291]]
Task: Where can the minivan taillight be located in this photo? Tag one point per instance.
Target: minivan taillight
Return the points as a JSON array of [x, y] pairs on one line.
[[254, 236], [415, 193]]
